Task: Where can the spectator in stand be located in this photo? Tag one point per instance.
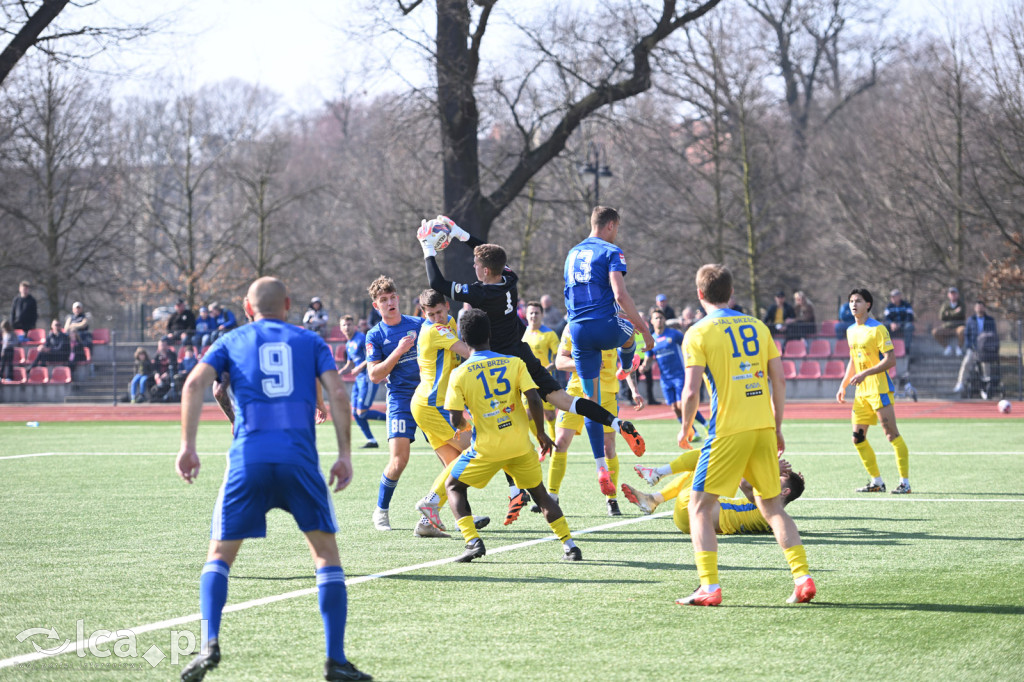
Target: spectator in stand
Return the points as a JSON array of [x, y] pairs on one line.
[[981, 345], [223, 319], [7, 350], [187, 364], [205, 326], [733, 305], [687, 319], [952, 317], [78, 322], [661, 302], [77, 350], [143, 373], [55, 349], [24, 313], [899, 317], [846, 319], [780, 315], [554, 318], [181, 326], [804, 324], [165, 366], [316, 318]]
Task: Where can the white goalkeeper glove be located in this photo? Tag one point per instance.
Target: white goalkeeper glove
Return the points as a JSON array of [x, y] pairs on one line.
[[457, 232], [425, 243]]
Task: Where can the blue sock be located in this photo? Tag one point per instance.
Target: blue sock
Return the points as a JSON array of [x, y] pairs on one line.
[[364, 426], [679, 419], [386, 490], [626, 356], [213, 593], [375, 415], [595, 433], [700, 419], [333, 598]]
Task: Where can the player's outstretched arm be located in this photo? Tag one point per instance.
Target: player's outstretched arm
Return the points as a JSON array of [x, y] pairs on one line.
[[187, 463], [625, 301], [638, 401], [334, 390]]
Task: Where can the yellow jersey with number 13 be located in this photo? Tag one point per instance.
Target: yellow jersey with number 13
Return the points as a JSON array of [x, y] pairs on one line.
[[734, 350]]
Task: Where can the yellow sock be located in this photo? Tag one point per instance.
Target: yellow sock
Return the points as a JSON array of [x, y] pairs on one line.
[[707, 567], [613, 471], [560, 527], [685, 462], [797, 560], [468, 529], [674, 487], [867, 456], [556, 471], [439, 482], [551, 428], [902, 457]]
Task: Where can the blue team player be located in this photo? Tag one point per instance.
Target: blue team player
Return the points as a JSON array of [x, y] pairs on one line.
[[391, 356], [595, 292], [668, 353], [364, 390], [273, 463]]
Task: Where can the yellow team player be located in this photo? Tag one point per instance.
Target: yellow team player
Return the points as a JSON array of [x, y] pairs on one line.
[[737, 358], [736, 515], [544, 344], [491, 386], [569, 424], [871, 357]]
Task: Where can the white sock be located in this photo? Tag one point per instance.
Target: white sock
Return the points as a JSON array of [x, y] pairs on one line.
[[432, 498], [569, 544], [905, 481], [877, 480], [664, 470], [712, 588], [802, 579], [617, 425], [513, 491], [572, 406], [600, 462]]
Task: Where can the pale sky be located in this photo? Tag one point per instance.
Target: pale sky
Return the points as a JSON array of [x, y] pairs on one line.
[[300, 52]]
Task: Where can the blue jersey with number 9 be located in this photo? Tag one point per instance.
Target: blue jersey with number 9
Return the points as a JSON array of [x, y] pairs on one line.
[[274, 369], [734, 349], [588, 289]]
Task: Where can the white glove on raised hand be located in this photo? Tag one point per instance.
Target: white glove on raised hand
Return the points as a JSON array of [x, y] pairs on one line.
[[457, 232], [425, 240]]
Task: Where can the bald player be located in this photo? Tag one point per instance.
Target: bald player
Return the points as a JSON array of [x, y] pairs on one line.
[[274, 368]]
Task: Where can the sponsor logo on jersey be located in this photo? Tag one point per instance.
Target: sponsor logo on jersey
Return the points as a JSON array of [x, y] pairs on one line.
[[369, 348], [622, 258], [744, 366], [504, 425], [509, 409], [742, 377], [753, 385], [759, 374], [751, 394]]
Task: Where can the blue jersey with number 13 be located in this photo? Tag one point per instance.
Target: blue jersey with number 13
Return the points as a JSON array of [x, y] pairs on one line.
[[588, 289], [274, 368]]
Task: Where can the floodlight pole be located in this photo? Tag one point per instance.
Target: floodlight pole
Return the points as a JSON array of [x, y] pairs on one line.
[[597, 164]]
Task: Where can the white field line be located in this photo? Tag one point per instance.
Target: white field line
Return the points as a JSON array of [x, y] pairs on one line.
[[193, 617], [574, 453], [905, 499]]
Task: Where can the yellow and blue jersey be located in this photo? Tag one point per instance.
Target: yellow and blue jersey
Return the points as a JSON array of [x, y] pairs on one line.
[[436, 361], [609, 385], [740, 515], [490, 385], [543, 343], [734, 350], [868, 342]]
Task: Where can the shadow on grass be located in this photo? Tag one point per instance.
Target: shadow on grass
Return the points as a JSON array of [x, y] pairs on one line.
[[801, 517], [307, 578], [997, 609], [857, 536]]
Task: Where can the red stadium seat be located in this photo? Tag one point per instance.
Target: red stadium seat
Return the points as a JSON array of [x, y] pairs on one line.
[[19, 355], [842, 350], [38, 375], [60, 375], [899, 347], [828, 328], [19, 377], [795, 349], [809, 369], [101, 337], [349, 377], [35, 336], [892, 372], [834, 369], [655, 371], [820, 348], [789, 369], [778, 344], [335, 335], [31, 356], [339, 355]]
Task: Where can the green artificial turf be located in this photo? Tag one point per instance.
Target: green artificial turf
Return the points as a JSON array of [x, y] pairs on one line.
[[921, 587]]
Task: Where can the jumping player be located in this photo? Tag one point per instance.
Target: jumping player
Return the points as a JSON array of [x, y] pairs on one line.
[[871, 357], [364, 390], [391, 356], [274, 368]]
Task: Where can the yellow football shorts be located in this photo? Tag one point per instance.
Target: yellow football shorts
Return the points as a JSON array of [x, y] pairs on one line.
[[753, 455], [865, 408], [477, 471], [435, 422]]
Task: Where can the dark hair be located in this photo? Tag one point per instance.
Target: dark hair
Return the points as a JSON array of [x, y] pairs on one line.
[[475, 328], [491, 256], [865, 294], [795, 482], [655, 311], [715, 282], [534, 304], [603, 216], [431, 297]]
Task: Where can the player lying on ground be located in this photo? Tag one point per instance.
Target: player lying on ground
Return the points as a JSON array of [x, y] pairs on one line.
[[496, 293], [491, 386], [274, 368], [871, 357]]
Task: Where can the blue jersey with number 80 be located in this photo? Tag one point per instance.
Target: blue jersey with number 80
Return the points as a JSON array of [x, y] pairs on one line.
[[274, 368], [588, 289], [734, 349]]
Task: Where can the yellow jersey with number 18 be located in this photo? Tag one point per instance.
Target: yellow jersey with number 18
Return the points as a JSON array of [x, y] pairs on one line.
[[734, 350], [490, 386]]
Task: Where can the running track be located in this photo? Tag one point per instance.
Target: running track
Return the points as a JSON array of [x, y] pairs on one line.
[[57, 412]]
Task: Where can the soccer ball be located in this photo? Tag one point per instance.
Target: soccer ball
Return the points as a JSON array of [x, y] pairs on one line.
[[436, 232], [1004, 406]]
